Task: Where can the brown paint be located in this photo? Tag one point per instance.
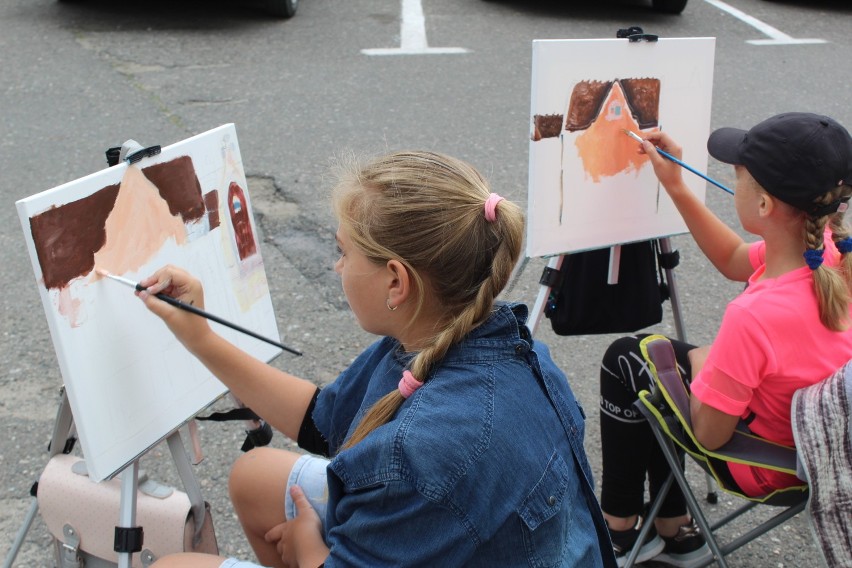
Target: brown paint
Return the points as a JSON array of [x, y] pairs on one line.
[[546, 126], [238, 208], [211, 204], [66, 237], [178, 186], [585, 104]]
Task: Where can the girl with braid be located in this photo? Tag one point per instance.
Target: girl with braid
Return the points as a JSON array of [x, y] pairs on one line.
[[789, 328], [453, 440]]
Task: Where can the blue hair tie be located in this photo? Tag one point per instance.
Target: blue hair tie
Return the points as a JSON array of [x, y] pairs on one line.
[[844, 245], [813, 258]]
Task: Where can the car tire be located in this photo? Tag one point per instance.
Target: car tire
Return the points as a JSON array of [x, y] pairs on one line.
[[669, 6], [282, 8]]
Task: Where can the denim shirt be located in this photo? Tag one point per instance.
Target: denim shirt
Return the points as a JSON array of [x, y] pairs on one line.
[[482, 466]]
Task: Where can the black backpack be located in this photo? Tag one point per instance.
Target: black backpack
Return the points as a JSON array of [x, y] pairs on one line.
[[581, 302]]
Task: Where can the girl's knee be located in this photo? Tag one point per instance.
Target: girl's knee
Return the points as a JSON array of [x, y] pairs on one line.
[[620, 347], [260, 474]]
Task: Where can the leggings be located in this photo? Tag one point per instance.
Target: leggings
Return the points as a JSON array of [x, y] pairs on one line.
[[630, 450]]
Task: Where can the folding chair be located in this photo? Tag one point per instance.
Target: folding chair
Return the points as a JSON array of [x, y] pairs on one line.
[[667, 413]]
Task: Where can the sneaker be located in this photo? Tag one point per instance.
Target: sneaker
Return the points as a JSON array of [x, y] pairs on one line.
[[686, 548], [623, 542]]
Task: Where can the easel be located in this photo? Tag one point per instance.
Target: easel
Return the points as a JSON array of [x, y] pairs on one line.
[[544, 296], [555, 264], [128, 536]]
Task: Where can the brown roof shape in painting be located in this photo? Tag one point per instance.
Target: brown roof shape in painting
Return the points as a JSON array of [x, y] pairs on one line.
[[66, 237], [587, 98]]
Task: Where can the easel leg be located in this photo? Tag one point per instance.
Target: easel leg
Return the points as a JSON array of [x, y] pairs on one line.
[[127, 510], [22, 533], [61, 441], [190, 482], [555, 263]]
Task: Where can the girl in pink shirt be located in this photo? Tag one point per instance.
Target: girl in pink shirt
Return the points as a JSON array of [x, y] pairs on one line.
[[789, 329]]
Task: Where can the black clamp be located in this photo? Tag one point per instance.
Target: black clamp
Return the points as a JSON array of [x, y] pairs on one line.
[[130, 152], [550, 277], [256, 438], [128, 539], [634, 34], [669, 260], [259, 437]]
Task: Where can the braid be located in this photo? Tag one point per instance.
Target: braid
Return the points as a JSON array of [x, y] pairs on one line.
[[840, 232], [427, 210], [831, 285]]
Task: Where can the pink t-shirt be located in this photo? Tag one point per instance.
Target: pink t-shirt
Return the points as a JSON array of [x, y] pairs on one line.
[[770, 343]]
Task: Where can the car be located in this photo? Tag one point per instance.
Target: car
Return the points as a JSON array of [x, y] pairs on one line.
[[669, 6], [282, 8]]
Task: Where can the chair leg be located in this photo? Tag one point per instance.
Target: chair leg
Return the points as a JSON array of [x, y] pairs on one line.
[[691, 502], [648, 522]]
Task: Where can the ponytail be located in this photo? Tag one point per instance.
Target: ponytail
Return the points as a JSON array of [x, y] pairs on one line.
[[436, 215]]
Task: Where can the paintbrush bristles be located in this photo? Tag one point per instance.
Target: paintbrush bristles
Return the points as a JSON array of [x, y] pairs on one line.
[[632, 135]]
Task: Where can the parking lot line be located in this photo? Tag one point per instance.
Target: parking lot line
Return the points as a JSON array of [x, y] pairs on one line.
[[777, 37], [412, 35]]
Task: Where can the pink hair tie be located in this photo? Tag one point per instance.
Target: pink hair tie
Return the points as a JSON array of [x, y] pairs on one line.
[[408, 384], [491, 207]]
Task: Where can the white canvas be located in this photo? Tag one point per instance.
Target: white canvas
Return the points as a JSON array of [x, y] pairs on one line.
[[130, 383], [575, 205]]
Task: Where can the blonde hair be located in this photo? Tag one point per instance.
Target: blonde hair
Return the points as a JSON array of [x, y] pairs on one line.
[[426, 210], [832, 285]]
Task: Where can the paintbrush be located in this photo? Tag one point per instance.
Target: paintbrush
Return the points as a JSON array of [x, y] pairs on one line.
[[192, 309], [678, 162]]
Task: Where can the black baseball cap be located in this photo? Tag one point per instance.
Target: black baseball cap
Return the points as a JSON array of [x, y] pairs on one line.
[[795, 156]]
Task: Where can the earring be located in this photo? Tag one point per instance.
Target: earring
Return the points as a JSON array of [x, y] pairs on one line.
[[391, 308]]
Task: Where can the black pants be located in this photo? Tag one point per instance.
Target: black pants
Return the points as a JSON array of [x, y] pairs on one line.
[[630, 450]]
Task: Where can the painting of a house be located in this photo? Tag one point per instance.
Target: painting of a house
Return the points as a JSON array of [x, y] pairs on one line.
[[129, 382], [589, 185]]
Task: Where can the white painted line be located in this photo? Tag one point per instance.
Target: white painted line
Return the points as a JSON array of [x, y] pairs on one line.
[[412, 35], [777, 37]]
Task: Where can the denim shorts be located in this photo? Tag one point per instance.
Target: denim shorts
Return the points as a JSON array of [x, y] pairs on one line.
[[308, 473]]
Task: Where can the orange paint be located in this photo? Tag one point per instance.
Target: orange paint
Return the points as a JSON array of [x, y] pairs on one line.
[[138, 226], [68, 306], [603, 148]]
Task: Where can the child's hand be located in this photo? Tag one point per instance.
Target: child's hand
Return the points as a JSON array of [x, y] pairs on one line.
[[668, 172], [279, 535], [305, 534], [180, 285]]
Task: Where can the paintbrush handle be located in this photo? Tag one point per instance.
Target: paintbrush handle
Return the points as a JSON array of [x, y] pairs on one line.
[[684, 165], [199, 312]]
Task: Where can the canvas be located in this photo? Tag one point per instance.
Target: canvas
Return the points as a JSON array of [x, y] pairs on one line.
[[588, 186], [130, 383]]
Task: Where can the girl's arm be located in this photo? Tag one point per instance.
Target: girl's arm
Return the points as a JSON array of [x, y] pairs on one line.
[[712, 427], [719, 243], [280, 398]]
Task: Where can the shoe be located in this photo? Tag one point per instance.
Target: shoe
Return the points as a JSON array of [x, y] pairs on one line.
[[686, 548], [623, 542]]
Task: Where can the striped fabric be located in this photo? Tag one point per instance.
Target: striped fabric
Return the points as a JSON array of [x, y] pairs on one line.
[[823, 434]]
